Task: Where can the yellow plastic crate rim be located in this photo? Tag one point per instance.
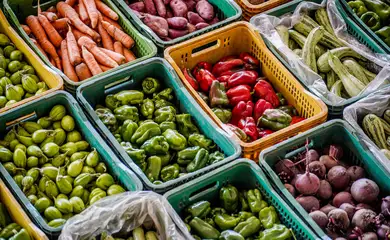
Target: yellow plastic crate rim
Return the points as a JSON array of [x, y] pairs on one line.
[[232, 40], [52, 80], [255, 9]]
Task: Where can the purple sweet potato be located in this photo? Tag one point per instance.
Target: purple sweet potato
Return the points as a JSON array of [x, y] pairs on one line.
[[173, 33], [150, 7], [201, 25], [160, 7], [178, 23], [190, 4], [214, 21], [158, 24], [138, 6], [205, 10], [191, 28], [179, 8], [169, 13], [166, 2], [194, 18]]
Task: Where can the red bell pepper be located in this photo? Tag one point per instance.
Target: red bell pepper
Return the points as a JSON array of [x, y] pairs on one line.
[[248, 125], [190, 79], [202, 65], [249, 66], [296, 119], [264, 90], [241, 110], [205, 79], [232, 71], [224, 78], [227, 58], [221, 67], [260, 106], [246, 57], [264, 132], [243, 77], [239, 93], [238, 131]]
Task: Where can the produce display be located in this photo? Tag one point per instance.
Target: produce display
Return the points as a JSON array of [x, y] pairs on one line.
[[9, 229], [241, 98], [17, 78], [339, 197], [171, 19], [81, 38], [237, 214], [345, 72], [375, 14], [137, 234], [54, 167], [378, 130], [163, 142]]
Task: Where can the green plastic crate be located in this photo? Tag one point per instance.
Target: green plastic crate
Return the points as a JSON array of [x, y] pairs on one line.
[[333, 132], [93, 93], [42, 107], [226, 10], [16, 12], [242, 173], [334, 110]]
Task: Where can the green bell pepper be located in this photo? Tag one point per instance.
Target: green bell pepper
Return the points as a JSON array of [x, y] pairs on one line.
[[111, 102], [164, 94], [215, 157], [380, 8], [185, 125], [228, 197], [282, 99], [196, 139], [165, 114], [230, 235], [223, 114], [5, 219], [106, 116], [268, 217], [126, 112], [156, 145], [10, 230], [217, 210], [217, 95], [154, 168], [196, 237], [274, 119], [225, 221], [21, 235], [255, 201], [137, 155], [128, 128], [245, 215], [277, 232], [165, 159], [210, 221], [199, 209], [159, 103], [150, 85], [200, 161], [131, 97], [170, 172], [175, 139], [358, 7], [185, 156], [147, 108], [384, 33], [145, 131], [372, 20], [203, 229], [167, 125], [290, 110], [249, 227], [204, 97], [243, 202]]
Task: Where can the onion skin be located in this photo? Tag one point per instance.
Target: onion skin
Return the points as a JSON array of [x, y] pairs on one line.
[[363, 219], [307, 183], [356, 172], [364, 191], [342, 197], [309, 203], [320, 218], [327, 208], [325, 191], [338, 177]]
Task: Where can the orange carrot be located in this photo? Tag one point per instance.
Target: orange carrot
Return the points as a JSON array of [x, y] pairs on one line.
[[50, 16], [129, 55], [26, 29], [83, 13], [118, 47], [104, 68], [69, 12], [90, 61], [51, 9], [83, 72], [99, 55], [107, 19], [105, 10], [71, 2], [51, 32], [39, 47], [59, 52], [118, 34], [120, 59], [40, 34], [73, 49], [106, 38], [66, 65], [77, 34], [60, 24], [52, 61], [92, 12]]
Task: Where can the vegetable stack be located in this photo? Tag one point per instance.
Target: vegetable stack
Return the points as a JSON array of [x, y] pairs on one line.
[[163, 142], [345, 72], [17, 78], [236, 215], [138, 233], [242, 100], [54, 167], [378, 130], [9, 229], [81, 38]]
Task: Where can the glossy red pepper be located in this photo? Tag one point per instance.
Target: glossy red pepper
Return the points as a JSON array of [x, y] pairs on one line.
[[296, 119], [248, 125], [243, 77], [249, 66], [264, 132], [205, 79], [224, 78], [246, 57], [264, 90], [232, 71], [239, 93], [190, 79], [260, 106], [202, 65], [242, 110], [221, 67]]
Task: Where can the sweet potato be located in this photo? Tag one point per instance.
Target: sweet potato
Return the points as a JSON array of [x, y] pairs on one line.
[[179, 8], [173, 33], [169, 13], [194, 18], [166, 2], [150, 7], [205, 10], [138, 6], [191, 28], [201, 25], [190, 4], [158, 24], [214, 21], [160, 7], [178, 23]]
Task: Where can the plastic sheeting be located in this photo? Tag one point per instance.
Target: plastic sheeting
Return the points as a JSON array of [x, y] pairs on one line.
[[123, 213], [266, 25]]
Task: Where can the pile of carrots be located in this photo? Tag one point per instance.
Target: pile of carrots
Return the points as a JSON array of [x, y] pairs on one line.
[[80, 37]]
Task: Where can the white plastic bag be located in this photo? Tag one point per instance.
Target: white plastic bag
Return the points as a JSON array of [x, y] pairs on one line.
[[123, 213]]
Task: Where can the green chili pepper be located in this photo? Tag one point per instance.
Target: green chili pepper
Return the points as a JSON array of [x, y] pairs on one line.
[[147, 108], [175, 139], [230, 235], [203, 229], [165, 159], [199, 209], [131, 97], [245, 215], [156, 145], [111, 102], [165, 114], [274, 119], [215, 157], [255, 201], [159, 103], [137, 155], [223, 114], [167, 125], [185, 156], [217, 210], [185, 125], [225, 221], [228, 197], [290, 110], [277, 232], [243, 202], [21, 235], [268, 217], [145, 131], [372, 20], [128, 129], [150, 85], [249, 227], [164, 94], [200, 140], [282, 99], [200, 161], [170, 172], [10, 230], [154, 168], [126, 112], [106, 116], [358, 7]]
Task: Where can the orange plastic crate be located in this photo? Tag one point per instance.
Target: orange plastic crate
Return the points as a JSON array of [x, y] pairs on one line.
[[249, 10], [232, 40]]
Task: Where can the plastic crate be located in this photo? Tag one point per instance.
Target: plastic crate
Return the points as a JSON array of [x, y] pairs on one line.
[[334, 110], [17, 214], [53, 81], [93, 93], [18, 10], [207, 188], [232, 40], [41, 107], [249, 10], [227, 10], [333, 132]]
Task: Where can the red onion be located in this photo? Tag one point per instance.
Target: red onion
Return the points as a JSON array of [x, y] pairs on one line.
[[342, 197], [307, 184], [320, 218], [309, 203], [317, 168], [325, 190], [364, 190], [338, 177]]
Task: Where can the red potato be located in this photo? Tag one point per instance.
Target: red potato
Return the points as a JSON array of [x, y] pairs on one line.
[[158, 24], [173, 33], [179, 8], [138, 14], [201, 25], [205, 10], [191, 28], [194, 18], [178, 23], [150, 7], [160, 7], [190, 4], [138, 6]]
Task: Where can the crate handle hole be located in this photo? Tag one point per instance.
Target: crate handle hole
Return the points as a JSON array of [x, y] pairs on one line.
[[204, 191], [208, 47]]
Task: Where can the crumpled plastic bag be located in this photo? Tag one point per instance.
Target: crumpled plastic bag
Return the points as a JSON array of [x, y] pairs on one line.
[[123, 213], [375, 103], [266, 25]]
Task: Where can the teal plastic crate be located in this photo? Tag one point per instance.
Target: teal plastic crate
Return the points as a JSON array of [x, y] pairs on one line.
[[242, 173], [333, 132], [228, 11], [334, 110], [93, 93], [16, 12], [42, 107]]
